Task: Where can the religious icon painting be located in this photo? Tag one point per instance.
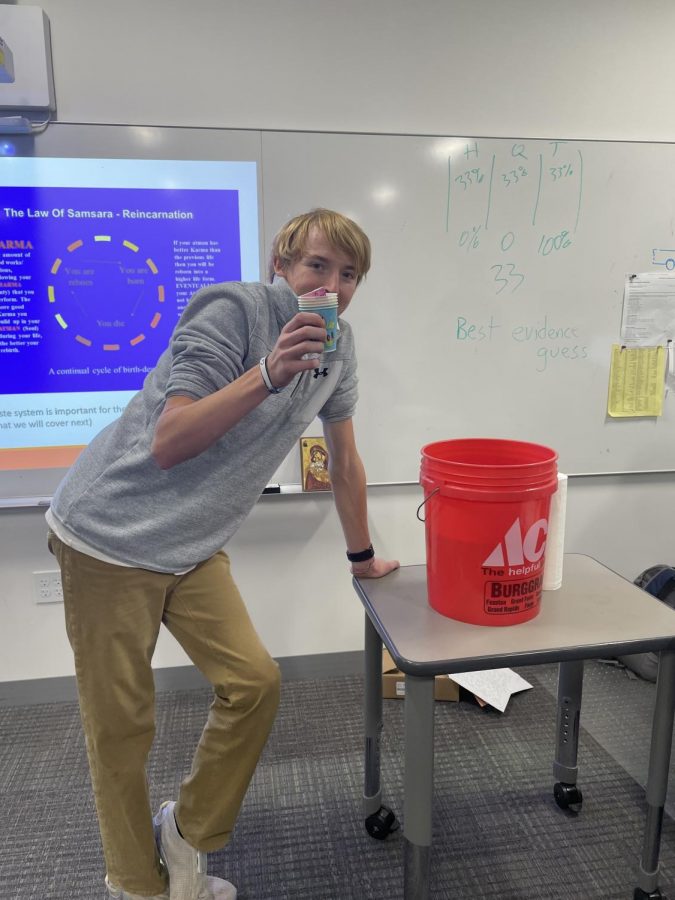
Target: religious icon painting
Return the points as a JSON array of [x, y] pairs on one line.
[[314, 463]]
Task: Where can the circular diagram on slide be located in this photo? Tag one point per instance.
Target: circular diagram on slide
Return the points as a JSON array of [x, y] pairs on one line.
[[106, 293]]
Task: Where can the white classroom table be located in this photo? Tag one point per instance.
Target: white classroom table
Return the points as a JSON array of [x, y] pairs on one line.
[[595, 613]]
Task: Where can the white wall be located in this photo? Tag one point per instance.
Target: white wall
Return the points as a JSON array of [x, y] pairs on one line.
[[531, 68], [535, 68]]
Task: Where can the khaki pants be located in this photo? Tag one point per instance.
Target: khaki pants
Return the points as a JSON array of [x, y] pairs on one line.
[[113, 616]]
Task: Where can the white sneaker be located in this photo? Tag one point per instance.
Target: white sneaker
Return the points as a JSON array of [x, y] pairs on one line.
[[187, 867], [115, 893]]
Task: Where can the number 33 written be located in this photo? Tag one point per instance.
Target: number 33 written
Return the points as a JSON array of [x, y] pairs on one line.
[[506, 275]]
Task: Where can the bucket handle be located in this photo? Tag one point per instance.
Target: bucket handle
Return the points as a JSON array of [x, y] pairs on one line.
[[426, 500]]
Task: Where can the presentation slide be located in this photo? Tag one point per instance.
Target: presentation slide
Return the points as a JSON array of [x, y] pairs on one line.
[[98, 258]]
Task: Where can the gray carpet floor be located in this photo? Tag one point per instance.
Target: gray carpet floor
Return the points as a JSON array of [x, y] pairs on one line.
[[497, 830]]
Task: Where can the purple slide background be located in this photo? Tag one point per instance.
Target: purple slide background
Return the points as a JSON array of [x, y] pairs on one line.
[[104, 291]]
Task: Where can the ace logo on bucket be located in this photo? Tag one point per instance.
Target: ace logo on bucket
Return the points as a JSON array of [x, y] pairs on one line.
[[514, 549], [519, 555]]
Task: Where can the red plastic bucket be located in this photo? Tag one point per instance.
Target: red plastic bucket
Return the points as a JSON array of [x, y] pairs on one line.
[[487, 505]]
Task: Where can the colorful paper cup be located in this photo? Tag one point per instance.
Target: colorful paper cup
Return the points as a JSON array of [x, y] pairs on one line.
[[327, 308]]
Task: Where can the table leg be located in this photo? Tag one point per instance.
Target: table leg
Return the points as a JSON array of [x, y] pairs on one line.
[[570, 684], [657, 778], [372, 793], [418, 784]]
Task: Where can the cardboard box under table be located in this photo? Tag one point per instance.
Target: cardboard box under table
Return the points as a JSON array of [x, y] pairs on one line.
[[393, 682]]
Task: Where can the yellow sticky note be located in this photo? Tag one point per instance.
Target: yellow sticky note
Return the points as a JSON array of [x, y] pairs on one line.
[[636, 381]]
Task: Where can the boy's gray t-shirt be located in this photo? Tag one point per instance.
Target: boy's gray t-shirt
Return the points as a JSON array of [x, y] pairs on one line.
[[115, 497]]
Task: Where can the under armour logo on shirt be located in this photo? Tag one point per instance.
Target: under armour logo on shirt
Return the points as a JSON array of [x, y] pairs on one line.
[[318, 372]]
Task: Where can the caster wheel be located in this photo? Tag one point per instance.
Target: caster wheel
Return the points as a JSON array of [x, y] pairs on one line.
[[381, 824], [639, 894], [567, 796]]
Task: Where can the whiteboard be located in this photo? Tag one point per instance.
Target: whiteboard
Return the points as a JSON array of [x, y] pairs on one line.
[[496, 288]]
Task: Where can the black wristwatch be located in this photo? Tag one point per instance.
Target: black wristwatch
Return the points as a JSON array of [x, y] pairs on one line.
[[362, 555]]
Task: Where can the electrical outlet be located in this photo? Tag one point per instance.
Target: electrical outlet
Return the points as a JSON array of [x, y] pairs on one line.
[[47, 587]]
